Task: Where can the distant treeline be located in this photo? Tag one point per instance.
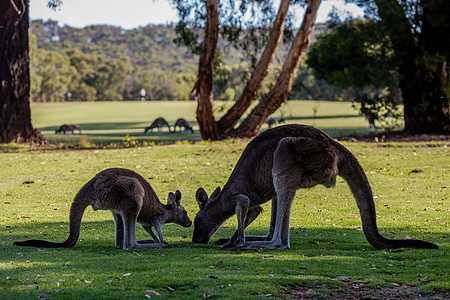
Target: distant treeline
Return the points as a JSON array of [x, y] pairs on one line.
[[105, 63]]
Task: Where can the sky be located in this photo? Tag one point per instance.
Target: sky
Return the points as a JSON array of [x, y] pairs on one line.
[[130, 14]]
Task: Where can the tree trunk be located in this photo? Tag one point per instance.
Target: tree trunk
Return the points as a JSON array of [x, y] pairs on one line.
[[251, 90], [203, 87], [279, 93], [426, 105], [15, 114]]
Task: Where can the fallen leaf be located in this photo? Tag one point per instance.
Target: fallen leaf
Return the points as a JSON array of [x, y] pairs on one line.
[[342, 278], [41, 295], [170, 289], [152, 292], [126, 275]]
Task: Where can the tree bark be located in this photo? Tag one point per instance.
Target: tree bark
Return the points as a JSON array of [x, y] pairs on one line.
[[15, 114], [203, 87], [279, 93], [251, 90]]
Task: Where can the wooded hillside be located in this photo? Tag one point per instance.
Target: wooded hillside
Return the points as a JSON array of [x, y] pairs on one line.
[[103, 62]]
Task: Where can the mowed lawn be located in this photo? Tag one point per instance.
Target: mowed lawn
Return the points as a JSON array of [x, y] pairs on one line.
[[329, 255], [108, 123]]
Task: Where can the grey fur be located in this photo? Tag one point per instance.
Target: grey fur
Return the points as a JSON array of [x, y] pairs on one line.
[[182, 123], [158, 123], [272, 167], [131, 199]]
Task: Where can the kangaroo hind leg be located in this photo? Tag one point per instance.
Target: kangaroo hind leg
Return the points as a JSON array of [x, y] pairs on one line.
[[118, 222]]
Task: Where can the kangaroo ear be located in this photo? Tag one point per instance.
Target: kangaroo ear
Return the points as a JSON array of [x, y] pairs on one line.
[[202, 198], [215, 193], [178, 197], [171, 199]]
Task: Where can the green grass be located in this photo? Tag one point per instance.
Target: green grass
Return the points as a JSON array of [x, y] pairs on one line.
[[410, 182], [108, 123]]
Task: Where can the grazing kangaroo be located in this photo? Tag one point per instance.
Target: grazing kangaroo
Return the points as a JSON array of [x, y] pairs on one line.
[[158, 123], [64, 128], [272, 167], [271, 122], [76, 127], [131, 199], [182, 123]]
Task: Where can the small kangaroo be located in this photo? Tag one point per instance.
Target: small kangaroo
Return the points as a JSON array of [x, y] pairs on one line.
[[272, 167], [158, 123], [76, 127], [64, 128], [271, 122], [131, 199], [182, 123]]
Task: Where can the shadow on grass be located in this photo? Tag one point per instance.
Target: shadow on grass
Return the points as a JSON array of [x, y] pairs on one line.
[[306, 238], [94, 268]]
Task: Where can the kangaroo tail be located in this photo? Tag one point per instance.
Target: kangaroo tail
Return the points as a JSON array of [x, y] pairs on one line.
[[383, 243], [352, 172], [81, 201]]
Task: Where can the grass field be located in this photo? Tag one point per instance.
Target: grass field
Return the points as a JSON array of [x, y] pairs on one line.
[[329, 256], [106, 123]]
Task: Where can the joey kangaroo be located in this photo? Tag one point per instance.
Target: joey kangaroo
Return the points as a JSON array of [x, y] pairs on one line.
[[158, 123], [182, 123], [131, 199], [272, 167]]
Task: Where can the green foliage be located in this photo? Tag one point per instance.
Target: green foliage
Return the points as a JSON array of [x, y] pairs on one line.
[[150, 57], [114, 64], [358, 54], [403, 48], [326, 241]]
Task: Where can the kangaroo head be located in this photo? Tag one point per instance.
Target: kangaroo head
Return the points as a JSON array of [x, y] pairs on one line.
[[206, 221], [180, 216]]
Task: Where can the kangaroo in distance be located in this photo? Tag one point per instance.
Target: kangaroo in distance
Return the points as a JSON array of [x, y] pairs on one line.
[[64, 128], [158, 123], [182, 123], [131, 199], [272, 167]]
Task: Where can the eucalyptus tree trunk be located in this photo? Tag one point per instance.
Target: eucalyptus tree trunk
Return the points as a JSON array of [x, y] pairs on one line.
[[251, 90], [279, 93], [203, 87], [15, 114]]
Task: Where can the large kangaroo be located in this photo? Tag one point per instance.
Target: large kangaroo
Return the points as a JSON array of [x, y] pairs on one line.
[[131, 199], [182, 123], [272, 167], [158, 123]]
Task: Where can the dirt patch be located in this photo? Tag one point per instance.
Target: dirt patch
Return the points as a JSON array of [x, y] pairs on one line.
[[359, 291], [398, 136]]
